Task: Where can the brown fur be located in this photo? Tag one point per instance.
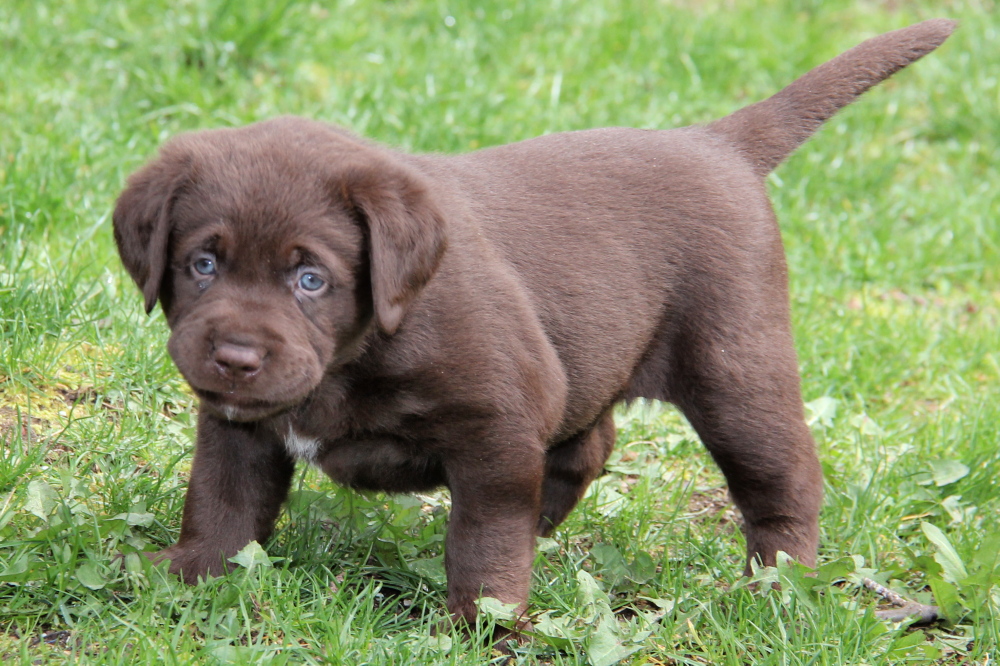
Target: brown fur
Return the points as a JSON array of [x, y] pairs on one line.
[[479, 316]]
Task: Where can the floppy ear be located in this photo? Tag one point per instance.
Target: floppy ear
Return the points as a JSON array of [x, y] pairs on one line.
[[406, 234], [142, 224]]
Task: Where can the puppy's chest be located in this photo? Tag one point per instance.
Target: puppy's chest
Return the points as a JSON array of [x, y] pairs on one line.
[[371, 461], [369, 446], [301, 446]]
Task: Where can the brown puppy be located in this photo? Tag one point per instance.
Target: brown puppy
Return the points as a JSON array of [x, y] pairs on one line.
[[406, 322]]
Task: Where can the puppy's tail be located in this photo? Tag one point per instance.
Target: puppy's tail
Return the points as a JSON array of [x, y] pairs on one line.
[[769, 131]]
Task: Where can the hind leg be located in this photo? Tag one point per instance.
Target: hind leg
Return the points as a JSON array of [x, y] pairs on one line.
[[743, 398], [569, 469]]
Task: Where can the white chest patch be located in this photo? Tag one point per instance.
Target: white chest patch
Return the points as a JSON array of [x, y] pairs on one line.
[[301, 447]]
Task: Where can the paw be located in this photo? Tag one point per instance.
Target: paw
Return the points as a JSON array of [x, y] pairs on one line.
[[190, 564]]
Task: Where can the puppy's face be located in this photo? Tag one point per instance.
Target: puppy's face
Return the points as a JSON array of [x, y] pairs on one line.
[[274, 250], [266, 290]]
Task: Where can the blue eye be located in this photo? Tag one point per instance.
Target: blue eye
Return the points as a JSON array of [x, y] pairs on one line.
[[311, 282], [205, 265]]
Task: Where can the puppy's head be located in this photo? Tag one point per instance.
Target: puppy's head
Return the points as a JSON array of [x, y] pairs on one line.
[[274, 250]]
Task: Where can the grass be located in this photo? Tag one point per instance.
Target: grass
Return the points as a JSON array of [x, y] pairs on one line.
[[890, 221]]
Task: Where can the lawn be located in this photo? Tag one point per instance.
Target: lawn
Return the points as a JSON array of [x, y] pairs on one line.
[[890, 218]]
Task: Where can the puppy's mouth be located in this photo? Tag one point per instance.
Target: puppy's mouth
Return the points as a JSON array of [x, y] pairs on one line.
[[232, 407]]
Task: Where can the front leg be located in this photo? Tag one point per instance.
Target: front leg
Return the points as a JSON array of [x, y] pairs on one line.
[[496, 501], [239, 479]]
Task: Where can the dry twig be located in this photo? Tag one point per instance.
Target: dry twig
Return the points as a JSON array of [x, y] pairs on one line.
[[904, 608]]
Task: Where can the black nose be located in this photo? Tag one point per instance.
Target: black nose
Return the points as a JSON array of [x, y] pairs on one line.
[[237, 361]]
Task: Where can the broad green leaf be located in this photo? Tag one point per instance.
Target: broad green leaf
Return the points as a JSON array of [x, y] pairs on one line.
[[947, 599], [946, 556], [136, 564], [140, 519], [958, 510], [5, 518], [609, 501], [866, 426], [875, 631], [764, 577], [611, 563], [666, 605], [839, 569], [546, 545], [906, 643], [822, 411], [987, 559], [431, 568], [496, 610], [947, 471], [227, 595], [558, 632], [643, 568], [251, 557], [232, 654], [89, 574], [16, 571], [589, 592], [931, 652], [441, 642], [41, 500], [606, 554], [137, 542], [604, 647]]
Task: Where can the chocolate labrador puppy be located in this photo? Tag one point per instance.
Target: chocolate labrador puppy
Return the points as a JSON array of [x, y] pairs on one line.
[[413, 321]]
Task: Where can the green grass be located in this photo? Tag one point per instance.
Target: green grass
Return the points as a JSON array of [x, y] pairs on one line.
[[890, 221]]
